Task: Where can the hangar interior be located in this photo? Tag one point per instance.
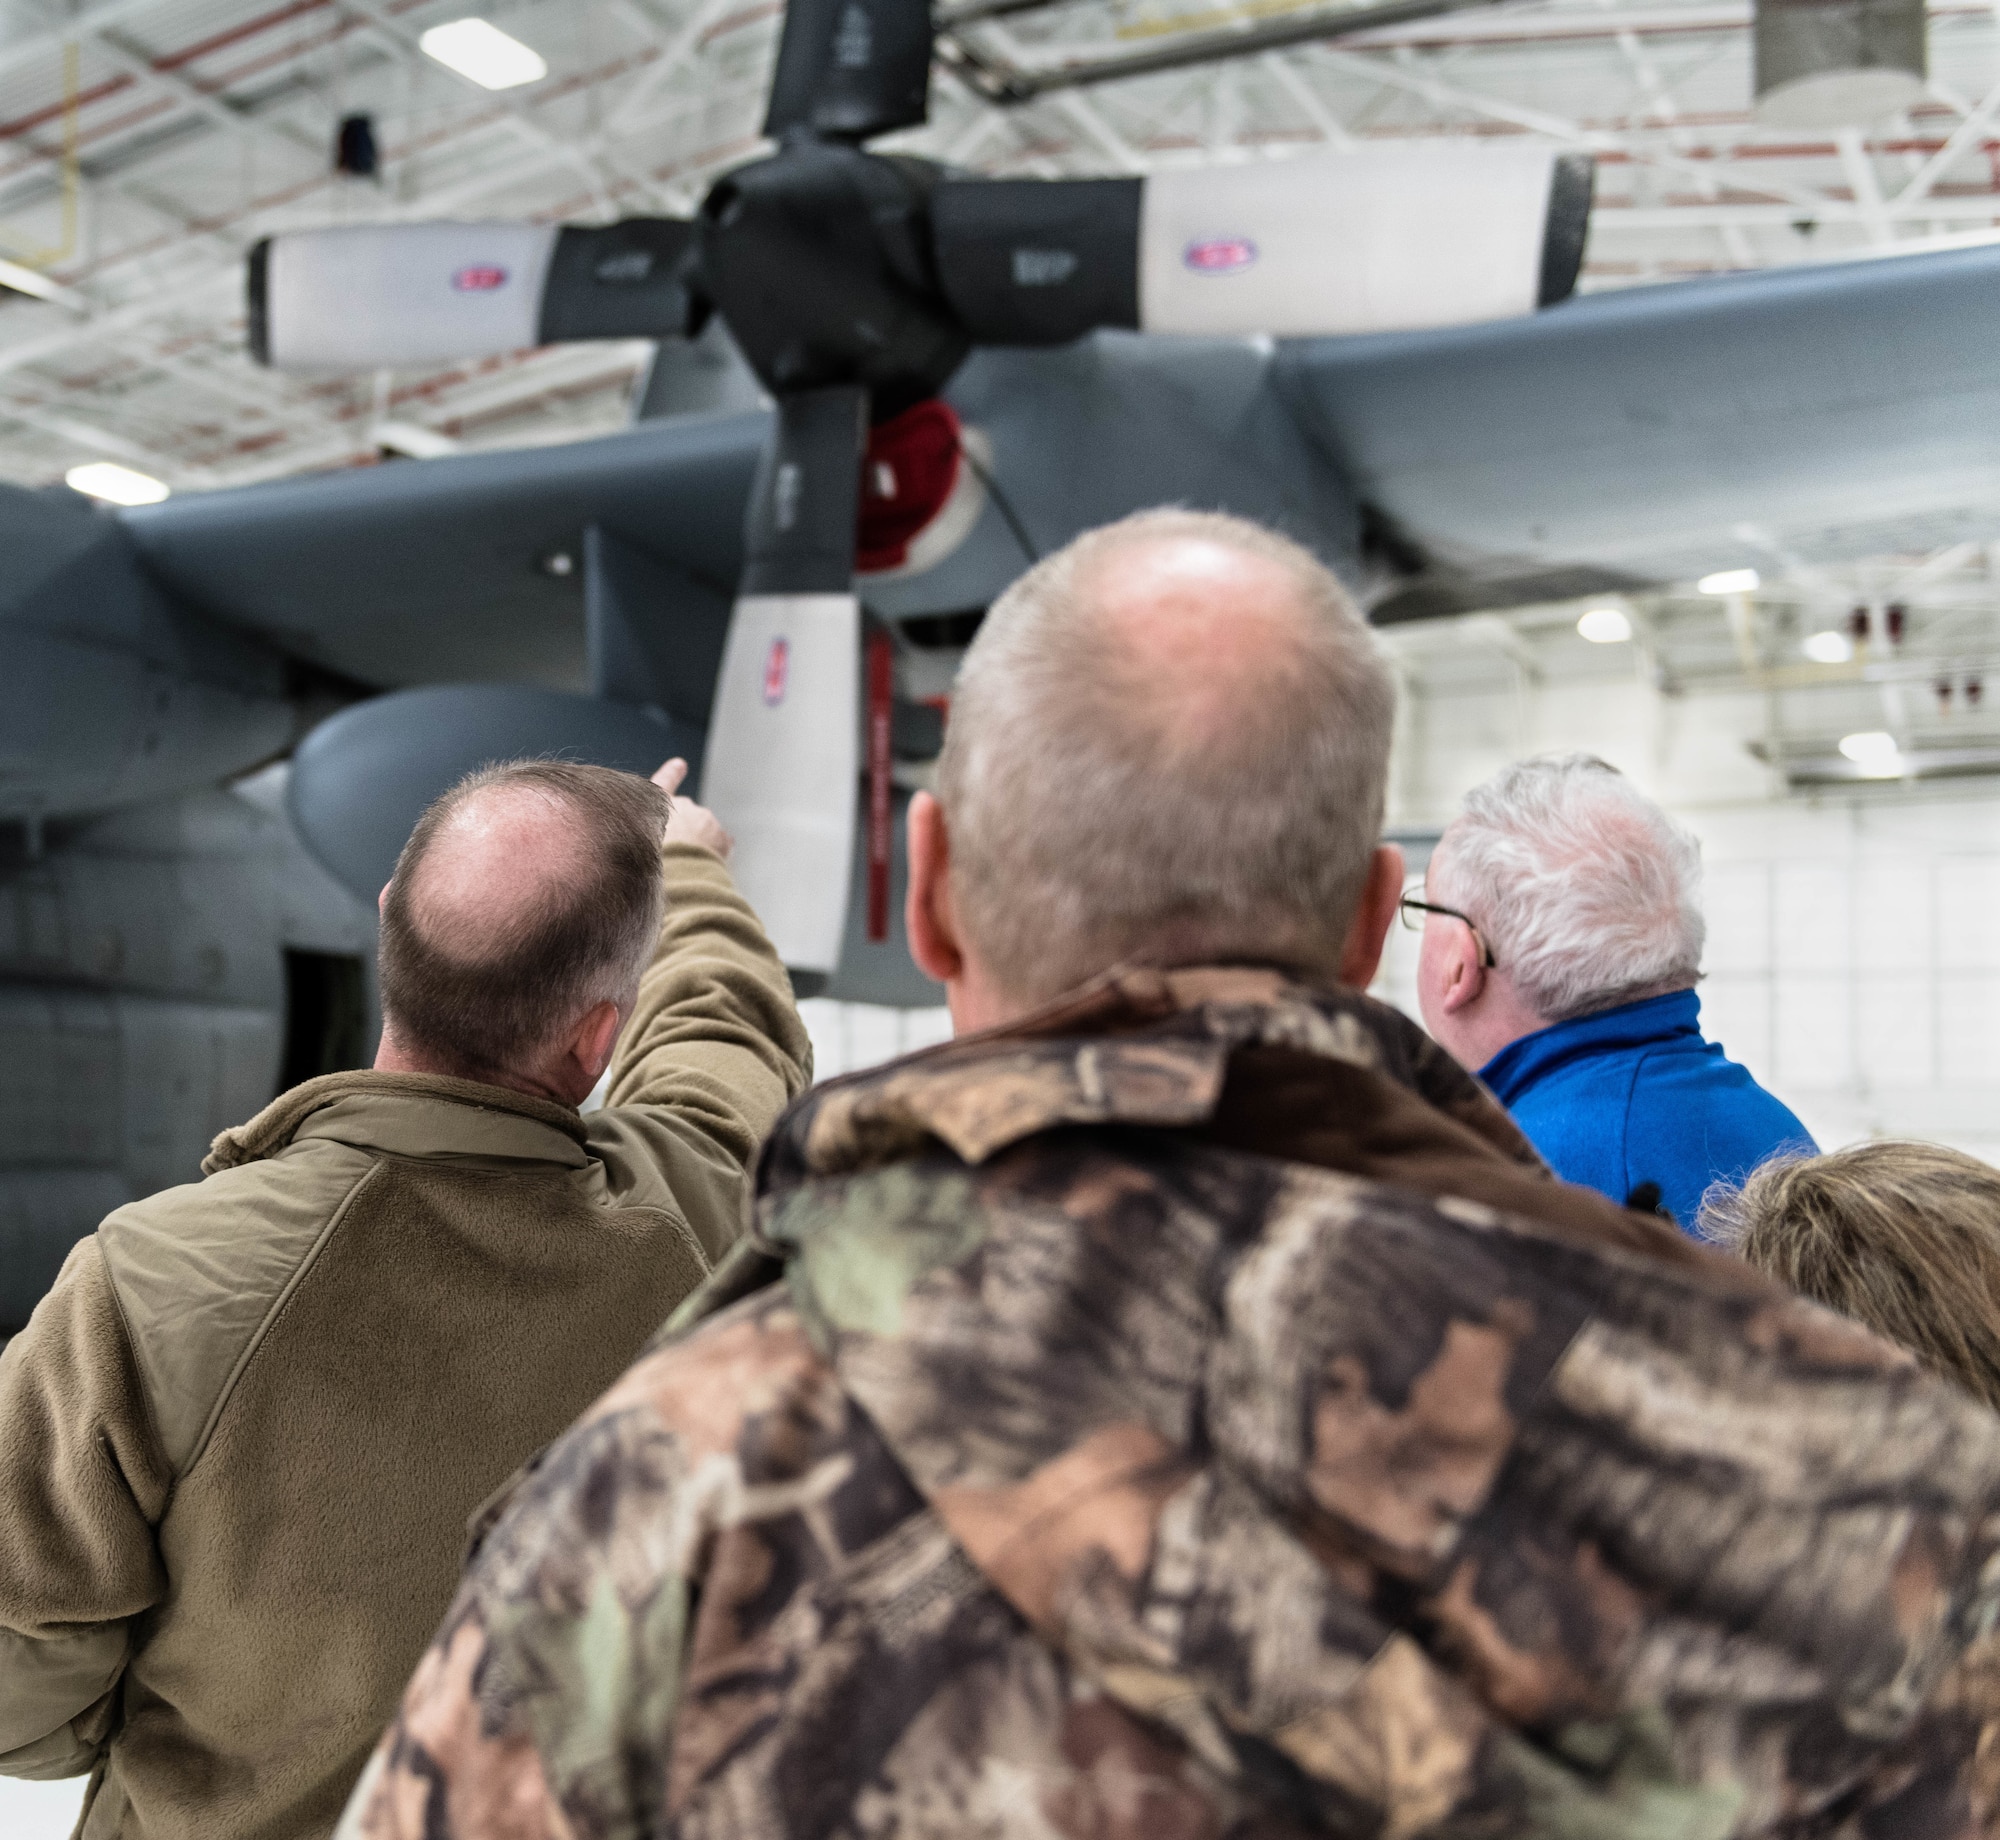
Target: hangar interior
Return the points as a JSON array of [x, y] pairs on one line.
[[145, 145], [1826, 727]]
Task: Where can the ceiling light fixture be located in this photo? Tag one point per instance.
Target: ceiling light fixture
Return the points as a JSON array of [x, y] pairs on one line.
[[1874, 752], [477, 49], [30, 281], [1605, 626], [1730, 581], [115, 484], [1828, 647]]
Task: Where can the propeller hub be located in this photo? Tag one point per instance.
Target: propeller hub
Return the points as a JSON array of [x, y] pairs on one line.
[[820, 260]]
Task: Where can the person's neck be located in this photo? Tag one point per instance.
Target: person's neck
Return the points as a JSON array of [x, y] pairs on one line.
[[1496, 1022], [393, 1057]]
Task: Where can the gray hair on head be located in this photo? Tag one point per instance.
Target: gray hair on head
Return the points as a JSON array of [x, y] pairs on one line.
[[1587, 892], [1110, 802]]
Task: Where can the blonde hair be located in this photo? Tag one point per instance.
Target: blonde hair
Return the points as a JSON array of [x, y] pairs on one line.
[[1902, 1237], [1083, 832]]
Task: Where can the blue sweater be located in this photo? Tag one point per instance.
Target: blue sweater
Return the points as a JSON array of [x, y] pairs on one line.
[[1633, 1095]]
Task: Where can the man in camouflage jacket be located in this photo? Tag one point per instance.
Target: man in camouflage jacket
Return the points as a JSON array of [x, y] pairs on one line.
[[1189, 1408]]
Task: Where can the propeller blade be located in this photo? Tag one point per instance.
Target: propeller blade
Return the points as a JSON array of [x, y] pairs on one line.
[[783, 760], [1370, 239], [374, 296], [362, 778], [851, 69]]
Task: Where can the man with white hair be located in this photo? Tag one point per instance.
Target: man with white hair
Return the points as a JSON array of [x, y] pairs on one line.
[[1184, 1405], [1562, 941]]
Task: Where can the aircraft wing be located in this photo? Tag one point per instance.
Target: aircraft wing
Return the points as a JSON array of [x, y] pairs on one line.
[[1658, 433], [421, 571]]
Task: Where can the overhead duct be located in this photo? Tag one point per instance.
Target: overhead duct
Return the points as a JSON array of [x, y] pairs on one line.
[[1837, 63]]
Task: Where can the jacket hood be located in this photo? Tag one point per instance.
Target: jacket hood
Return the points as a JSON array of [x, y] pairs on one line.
[[1240, 1056]]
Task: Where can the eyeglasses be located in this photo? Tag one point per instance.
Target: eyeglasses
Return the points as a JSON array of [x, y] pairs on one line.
[[1413, 907]]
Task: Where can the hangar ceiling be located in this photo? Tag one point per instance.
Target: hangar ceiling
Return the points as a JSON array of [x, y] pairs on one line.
[[146, 144]]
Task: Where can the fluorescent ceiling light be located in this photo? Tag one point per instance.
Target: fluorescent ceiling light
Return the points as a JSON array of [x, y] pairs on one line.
[[479, 50], [1605, 626], [1828, 647], [115, 484], [1730, 581], [1874, 752], [31, 281]]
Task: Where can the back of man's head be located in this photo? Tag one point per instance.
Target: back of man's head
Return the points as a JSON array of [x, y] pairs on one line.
[[1169, 743], [526, 895], [1587, 892]]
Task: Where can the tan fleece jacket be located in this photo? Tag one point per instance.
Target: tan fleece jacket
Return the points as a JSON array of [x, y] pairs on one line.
[[240, 1439]]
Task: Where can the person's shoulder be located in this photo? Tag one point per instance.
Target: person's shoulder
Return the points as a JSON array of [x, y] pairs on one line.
[[197, 1268], [1684, 1079], [261, 1210]]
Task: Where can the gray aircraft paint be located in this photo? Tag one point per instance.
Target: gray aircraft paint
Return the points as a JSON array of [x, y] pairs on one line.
[[1832, 408]]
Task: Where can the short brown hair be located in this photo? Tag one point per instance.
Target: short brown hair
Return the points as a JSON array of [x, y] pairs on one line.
[[584, 941], [1902, 1237]]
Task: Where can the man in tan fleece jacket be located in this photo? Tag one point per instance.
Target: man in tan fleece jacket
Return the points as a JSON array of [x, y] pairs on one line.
[[240, 1439]]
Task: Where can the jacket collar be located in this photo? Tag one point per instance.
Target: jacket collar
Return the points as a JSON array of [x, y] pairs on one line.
[[1137, 1046], [1651, 1020], [1239, 1056], [408, 1114]]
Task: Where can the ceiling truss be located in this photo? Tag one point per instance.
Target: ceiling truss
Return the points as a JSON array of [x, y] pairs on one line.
[[146, 144]]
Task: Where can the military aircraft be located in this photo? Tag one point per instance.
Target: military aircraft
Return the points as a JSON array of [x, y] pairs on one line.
[[883, 390]]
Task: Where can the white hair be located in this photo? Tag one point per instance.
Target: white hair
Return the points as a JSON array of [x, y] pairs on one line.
[[1087, 827], [1587, 894]]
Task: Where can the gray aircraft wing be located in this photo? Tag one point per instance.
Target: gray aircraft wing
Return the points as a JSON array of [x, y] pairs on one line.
[[1658, 433], [426, 571]]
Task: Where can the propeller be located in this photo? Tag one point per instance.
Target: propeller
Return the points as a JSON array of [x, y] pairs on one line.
[[854, 284]]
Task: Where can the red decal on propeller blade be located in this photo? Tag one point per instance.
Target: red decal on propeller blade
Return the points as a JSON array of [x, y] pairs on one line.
[[881, 707], [479, 279], [777, 670], [1219, 255]]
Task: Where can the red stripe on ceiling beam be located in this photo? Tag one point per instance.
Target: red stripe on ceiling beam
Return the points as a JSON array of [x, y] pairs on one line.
[[249, 28]]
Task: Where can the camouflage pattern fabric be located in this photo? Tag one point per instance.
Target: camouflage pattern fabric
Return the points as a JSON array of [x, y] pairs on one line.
[[1087, 1474]]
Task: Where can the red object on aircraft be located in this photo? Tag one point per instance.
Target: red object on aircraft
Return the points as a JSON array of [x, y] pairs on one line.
[[881, 710], [906, 478], [777, 671]]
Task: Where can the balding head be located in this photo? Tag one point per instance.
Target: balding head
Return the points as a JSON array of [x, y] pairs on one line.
[[1168, 743], [526, 895]]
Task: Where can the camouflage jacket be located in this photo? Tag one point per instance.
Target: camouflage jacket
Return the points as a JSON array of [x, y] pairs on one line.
[[1195, 1412]]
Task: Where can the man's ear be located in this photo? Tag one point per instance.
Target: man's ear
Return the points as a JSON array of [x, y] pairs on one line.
[[596, 1035], [1361, 955], [927, 913], [1465, 975]]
